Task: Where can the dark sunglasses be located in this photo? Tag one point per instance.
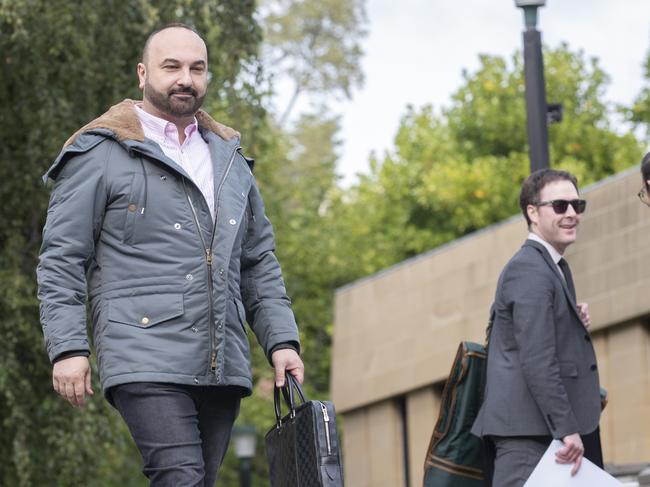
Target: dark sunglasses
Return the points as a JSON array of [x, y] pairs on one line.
[[561, 206]]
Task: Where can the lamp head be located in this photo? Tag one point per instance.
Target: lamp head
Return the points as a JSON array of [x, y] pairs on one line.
[[530, 3], [530, 11], [244, 438]]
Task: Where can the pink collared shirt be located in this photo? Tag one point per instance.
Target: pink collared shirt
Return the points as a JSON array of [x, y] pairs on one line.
[[192, 155]]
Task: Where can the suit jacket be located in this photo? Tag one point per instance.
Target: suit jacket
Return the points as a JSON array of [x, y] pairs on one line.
[[542, 377]]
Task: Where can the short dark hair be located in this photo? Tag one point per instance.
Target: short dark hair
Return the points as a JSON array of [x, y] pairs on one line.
[[645, 170], [534, 184], [174, 25]]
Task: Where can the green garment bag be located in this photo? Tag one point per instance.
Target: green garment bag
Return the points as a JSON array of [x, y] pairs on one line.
[[455, 456]]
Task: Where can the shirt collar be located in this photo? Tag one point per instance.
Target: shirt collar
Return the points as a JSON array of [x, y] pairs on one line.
[[163, 128], [555, 255]]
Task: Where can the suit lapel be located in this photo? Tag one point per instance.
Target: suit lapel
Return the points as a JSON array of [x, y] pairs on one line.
[[549, 261]]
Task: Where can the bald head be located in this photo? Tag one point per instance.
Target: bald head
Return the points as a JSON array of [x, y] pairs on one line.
[[189, 30]]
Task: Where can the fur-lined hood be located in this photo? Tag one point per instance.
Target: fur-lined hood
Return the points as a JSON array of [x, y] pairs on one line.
[[123, 121]]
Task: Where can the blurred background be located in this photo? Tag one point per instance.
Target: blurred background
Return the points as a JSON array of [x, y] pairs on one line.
[[381, 131]]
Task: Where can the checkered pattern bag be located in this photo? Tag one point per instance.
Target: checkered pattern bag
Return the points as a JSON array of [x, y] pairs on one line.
[[303, 448]]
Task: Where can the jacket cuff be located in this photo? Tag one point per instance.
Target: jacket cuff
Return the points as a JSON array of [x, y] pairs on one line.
[[71, 353], [284, 346]]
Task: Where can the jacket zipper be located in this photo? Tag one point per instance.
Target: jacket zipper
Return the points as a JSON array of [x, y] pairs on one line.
[[208, 254], [326, 418], [208, 260]]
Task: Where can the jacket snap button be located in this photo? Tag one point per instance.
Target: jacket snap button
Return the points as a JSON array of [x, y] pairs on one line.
[[196, 381], [195, 329], [189, 277], [232, 221], [177, 226], [132, 207], [144, 320]]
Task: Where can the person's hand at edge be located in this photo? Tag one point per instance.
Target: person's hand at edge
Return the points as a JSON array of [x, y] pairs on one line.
[[571, 452], [584, 314], [287, 360], [71, 379]]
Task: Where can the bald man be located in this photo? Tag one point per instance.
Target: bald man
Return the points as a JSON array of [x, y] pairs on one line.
[[156, 220]]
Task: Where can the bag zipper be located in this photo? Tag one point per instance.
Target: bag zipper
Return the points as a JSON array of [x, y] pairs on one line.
[[326, 418]]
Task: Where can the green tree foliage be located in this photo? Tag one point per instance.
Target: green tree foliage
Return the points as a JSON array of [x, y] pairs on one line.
[[315, 45], [639, 114], [459, 170], [61, 64], [304, 245]]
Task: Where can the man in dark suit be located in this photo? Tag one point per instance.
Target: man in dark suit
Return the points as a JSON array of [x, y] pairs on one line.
[[542, 378]]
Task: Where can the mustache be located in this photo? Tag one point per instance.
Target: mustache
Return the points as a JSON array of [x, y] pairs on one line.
[[184, 91]]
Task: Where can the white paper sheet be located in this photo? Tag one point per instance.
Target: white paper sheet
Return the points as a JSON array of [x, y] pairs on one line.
[[548, 473]]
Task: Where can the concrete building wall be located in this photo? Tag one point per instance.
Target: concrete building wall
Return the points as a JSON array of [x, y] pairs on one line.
[[373, 439], [422, 413], [398, 331], [624, 366]]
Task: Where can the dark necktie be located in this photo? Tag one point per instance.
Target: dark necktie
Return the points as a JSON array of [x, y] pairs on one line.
[[568, 277]]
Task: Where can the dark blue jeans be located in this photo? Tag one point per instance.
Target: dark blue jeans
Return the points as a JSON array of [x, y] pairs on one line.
[[182, 431]]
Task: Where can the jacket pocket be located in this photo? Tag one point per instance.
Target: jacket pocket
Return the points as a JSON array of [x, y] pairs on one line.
[[568, 369], [145, 311]]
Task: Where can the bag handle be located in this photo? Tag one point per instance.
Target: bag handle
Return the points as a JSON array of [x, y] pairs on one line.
[[290, 384], [294, 384]]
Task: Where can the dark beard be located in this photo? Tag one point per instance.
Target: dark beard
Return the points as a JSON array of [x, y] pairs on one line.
[[172, 106]]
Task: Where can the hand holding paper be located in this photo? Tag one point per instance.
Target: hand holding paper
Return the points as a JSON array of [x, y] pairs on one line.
[[549, 472], [571, 452]]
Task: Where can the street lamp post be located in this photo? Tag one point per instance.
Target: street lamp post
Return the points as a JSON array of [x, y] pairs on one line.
[[245, 439], [536, 108]]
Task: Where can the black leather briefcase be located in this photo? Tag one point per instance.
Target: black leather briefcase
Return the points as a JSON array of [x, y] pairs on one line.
[[303, 446]]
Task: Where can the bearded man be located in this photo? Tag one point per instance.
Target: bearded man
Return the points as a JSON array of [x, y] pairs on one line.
[[156, 220]]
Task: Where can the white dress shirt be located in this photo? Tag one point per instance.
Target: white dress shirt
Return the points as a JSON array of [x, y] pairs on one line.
[[555, 255]]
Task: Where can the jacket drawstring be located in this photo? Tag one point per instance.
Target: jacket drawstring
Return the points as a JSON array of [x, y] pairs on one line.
[[146, 186]]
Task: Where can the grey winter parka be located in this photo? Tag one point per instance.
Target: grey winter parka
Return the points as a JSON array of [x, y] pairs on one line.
[[169, 290]]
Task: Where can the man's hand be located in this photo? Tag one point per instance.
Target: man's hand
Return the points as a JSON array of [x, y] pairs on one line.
[[584, 314], [571, 452], [289, 360], [71, 379]]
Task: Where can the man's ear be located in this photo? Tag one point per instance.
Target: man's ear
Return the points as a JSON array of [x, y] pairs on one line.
[[531, 211], [142, 71]]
